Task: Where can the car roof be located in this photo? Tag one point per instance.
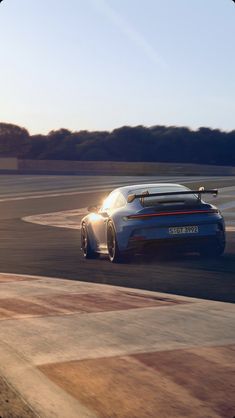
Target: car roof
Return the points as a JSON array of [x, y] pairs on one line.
[[130, 188]]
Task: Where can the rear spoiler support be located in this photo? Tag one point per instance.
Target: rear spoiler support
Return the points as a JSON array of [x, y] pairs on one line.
[[199, 192]]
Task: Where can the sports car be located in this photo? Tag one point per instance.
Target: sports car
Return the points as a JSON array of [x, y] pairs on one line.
[[146, 217]]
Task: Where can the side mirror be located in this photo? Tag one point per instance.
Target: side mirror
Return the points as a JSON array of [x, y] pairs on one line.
[[93, 209]]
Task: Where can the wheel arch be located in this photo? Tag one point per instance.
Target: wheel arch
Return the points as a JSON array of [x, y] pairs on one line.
[[90, 232]]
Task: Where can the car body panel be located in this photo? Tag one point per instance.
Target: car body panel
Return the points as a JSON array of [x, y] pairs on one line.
[[151, 223]]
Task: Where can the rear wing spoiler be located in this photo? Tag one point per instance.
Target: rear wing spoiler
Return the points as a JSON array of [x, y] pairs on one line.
[[199, 192]]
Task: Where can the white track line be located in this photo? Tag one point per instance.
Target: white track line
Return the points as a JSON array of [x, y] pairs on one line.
[[66, 219], [41, 196], [84, 189], [63, 219]]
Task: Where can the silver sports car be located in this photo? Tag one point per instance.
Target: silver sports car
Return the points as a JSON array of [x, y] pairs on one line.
[[146, 217]]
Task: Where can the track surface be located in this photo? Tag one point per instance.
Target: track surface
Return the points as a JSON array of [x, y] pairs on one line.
[[48, 251]]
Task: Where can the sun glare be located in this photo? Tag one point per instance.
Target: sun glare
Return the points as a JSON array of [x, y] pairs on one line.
[[94, 217]]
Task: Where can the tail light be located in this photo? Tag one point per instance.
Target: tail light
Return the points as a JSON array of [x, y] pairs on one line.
[[172, 213]]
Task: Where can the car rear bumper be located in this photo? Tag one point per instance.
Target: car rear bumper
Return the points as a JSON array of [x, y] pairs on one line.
[[139, 232], [178, 244]]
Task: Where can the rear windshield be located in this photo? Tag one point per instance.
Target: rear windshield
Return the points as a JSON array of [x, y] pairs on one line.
[[165, 201]]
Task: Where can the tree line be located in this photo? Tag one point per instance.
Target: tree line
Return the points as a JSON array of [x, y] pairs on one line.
[[153, 144]]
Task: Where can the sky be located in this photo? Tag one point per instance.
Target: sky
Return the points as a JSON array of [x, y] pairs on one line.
[[102, 64]]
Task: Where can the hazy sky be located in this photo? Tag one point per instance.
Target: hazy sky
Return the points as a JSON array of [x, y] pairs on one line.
[[102, 64]]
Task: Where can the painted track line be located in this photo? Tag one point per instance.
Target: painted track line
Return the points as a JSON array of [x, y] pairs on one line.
[[71, 219], [42, 196], [88, 189]]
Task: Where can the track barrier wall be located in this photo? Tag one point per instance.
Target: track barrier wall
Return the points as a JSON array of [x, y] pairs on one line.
[[110, 168], [8, 164]]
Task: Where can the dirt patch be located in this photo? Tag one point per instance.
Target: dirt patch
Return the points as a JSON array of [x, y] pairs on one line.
[[16, 308], [196, 383], [11, 404], [8, 278], [103, 302], [56, 304]]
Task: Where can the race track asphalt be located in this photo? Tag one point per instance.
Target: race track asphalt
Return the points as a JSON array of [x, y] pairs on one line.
[[27, 248]]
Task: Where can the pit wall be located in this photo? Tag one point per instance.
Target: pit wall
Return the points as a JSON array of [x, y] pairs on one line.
[[110, 168], [8, 164]]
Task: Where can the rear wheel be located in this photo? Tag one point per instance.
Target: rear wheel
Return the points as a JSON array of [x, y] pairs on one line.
[[85, 244], [113, 251]]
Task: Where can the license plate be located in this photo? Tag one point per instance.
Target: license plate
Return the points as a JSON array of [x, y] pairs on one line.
[[183, 230]]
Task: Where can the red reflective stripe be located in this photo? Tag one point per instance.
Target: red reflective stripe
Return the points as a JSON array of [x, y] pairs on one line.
[[150, 215]]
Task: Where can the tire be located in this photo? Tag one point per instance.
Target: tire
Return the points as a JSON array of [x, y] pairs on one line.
[[114, 253], [213, 250], [87, 251]]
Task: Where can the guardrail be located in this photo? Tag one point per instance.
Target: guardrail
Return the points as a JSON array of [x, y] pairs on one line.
[[110, 168]]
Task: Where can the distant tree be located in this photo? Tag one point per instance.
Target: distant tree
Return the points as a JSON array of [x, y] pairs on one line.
[[157, 143], [13, 139], [59, 135], [36, 148], [57, 145], [129, 144]]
